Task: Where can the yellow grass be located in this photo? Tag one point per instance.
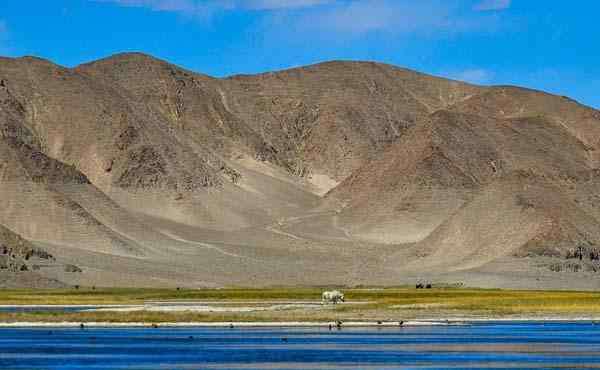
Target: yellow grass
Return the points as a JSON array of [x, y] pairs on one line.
[[361, 304]]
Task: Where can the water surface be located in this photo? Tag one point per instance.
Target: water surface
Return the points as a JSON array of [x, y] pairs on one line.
[[523, 345]]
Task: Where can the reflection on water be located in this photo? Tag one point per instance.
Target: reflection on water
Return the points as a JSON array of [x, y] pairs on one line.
[[490, 345]]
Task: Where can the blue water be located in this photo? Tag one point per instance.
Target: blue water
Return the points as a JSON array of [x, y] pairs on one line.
[[489, 346], [58, 309]]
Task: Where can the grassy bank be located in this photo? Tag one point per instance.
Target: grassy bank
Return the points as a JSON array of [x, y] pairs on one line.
[[139, 296], [153, 317], [361, 304]]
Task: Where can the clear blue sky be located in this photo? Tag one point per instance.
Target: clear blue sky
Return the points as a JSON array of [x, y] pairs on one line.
[[552, 45]]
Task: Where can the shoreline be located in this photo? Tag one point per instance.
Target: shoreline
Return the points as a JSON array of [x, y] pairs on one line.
[[249, 324], [294, 324]]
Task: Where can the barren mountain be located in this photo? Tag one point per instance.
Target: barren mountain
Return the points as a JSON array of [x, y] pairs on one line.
[[142, 173]]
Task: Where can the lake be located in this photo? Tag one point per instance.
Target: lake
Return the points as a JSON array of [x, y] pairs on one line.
[[522, 345]]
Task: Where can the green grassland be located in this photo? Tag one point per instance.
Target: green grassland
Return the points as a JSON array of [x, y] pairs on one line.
[[139, 296], [361, 304]]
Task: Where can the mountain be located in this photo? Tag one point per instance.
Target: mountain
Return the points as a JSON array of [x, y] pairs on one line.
[[141, 173]]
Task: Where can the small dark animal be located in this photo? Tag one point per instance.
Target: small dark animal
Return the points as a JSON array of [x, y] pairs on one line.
[[428, 286], [81, 326], [419, 286], [401, 323]]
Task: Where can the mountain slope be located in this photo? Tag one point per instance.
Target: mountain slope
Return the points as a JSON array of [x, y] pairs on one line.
[[144, 173]]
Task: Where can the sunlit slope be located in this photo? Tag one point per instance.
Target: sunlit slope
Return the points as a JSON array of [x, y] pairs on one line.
[[340, 172]]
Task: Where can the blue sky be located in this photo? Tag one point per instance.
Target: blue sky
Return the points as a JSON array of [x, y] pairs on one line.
[[552, 45]]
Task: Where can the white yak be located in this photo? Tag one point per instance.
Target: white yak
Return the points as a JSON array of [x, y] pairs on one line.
[[332, 296]]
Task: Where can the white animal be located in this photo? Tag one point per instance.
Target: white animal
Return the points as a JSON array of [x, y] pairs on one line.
[[332, 296]]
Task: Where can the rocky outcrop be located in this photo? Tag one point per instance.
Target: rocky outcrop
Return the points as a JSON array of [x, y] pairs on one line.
[[17, 253]]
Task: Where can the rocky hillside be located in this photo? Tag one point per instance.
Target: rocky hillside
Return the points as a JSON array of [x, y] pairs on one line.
[[129, 163], [16, 253]]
